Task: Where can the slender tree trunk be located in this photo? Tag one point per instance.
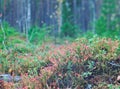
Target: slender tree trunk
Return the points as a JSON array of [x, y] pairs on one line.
[[59, 16], [75, 8], [93, 15], [28, 18]]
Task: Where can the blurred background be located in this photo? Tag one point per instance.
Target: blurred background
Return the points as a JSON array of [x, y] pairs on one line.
[[63, 18]]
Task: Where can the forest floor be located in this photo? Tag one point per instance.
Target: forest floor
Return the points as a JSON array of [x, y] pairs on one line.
[[73, 65]]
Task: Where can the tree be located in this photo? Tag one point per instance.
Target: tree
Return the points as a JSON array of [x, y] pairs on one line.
[[108, 21], [59, 13]]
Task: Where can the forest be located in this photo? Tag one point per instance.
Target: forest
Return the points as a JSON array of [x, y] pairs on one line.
[[59, 44]]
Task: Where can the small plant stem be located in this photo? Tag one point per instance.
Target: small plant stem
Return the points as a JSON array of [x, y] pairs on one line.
[[4, 37]]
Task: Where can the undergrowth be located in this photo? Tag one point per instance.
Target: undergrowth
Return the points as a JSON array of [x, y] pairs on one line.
[[80, 64]]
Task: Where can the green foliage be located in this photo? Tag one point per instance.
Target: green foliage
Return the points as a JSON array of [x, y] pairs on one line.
[[4, 63], [104, 48], [104, 31], [23, 48], [68, 30], [86, 74], [64, 65], [88, 35], [5, 33], [68, 27], [108, 23], [100, 48], [112, 86], [20, 60], [38, 35]]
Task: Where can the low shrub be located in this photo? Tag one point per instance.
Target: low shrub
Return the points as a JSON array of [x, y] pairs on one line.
[[104, 48], [38, 35], [69, 65], [5, 33]]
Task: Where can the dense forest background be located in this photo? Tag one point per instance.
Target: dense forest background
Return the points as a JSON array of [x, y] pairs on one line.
[[66, 17]]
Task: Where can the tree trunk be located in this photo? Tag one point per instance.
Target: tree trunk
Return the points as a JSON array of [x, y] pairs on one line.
[[59, 16]]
